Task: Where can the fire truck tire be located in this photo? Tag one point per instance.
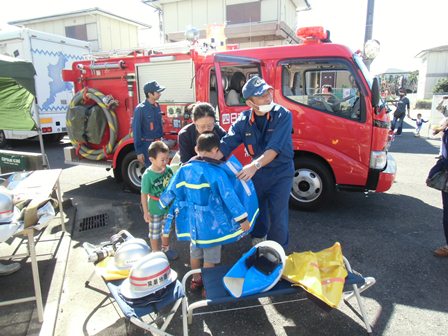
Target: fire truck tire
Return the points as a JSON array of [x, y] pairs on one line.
[[3, 140], [132, 171], [313, 184]]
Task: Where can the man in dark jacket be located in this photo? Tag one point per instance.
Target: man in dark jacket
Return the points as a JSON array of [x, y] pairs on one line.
[[147, 121], [403, 108]]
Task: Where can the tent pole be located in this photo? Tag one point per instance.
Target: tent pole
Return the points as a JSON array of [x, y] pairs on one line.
[[41, 138]]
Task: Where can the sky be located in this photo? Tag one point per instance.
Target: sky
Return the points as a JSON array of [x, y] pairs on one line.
[[403, 28]]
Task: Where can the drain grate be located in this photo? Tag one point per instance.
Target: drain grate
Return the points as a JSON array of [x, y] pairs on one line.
[[93, 222]]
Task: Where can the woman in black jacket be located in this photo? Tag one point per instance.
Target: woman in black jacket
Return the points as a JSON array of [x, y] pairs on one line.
[[204, 120], [442, 164]]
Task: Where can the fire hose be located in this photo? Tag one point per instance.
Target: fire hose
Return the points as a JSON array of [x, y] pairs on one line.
[[80, 98]]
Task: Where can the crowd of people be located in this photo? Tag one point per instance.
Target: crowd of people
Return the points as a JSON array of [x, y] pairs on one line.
[[265, 131]]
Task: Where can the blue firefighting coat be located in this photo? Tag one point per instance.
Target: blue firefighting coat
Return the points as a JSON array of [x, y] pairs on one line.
[[209, 202]]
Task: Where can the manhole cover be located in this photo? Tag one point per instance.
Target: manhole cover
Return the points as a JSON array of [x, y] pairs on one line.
[[93, 222]]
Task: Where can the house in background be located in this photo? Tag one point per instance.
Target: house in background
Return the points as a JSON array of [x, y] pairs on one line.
[[105, 31], [248, 23], [434, 66]]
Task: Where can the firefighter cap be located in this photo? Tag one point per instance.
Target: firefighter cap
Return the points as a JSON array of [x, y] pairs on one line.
[[152, 87], [255, 86]]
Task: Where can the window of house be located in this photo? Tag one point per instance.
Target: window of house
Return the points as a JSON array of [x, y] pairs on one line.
[[327, 86], [243, 13], [77, 32]]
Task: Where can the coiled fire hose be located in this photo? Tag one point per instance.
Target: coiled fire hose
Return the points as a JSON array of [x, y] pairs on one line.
[[94, 154]]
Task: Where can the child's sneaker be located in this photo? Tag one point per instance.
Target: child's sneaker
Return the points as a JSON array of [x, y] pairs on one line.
[[171, 254], [196, 284]]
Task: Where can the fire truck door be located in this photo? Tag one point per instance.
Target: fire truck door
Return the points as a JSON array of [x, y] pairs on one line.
[[226, 66]]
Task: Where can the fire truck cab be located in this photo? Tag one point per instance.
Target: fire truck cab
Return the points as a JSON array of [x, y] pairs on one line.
[[340, 132]]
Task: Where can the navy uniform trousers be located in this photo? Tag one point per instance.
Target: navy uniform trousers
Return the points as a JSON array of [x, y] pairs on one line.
[[273, 186]]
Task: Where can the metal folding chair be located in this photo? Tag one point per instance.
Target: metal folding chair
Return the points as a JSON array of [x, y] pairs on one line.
[[216, 294], [149, 315]]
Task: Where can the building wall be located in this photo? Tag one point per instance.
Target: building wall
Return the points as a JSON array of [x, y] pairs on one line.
[[103, 32], [434, 67], [178, 15], [270, 10], [197, 13], [263, 43], [114, 34], [289, 14], [422, 70]]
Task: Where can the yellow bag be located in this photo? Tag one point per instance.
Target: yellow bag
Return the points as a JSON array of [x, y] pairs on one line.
[[107, 269], [321, 274]]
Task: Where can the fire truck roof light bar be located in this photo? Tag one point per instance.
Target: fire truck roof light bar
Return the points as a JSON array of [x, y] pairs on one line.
[[312, 33]]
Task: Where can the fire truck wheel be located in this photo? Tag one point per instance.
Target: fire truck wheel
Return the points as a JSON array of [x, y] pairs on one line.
[[132, 171], [313, 184], [2, 139]]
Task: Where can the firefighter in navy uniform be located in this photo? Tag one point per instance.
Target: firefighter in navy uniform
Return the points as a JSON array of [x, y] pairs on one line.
[[265, 130], [147, 121]]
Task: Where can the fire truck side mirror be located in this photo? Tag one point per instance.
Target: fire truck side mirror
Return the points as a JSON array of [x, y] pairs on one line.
[[375, 92]]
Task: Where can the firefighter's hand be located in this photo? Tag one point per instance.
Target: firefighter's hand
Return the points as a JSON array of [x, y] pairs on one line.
[[247, 172], [245, 225], [141, 158]]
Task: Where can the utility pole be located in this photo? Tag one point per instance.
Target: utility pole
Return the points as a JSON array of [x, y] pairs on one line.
[[369, 25], [369, 20]]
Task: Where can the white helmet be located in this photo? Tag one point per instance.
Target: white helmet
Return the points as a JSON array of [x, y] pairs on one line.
[[6, 206], [129, 252], [149, 275], [268, 257], [256, 271]]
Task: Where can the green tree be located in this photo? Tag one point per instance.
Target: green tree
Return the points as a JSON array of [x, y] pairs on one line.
[[441, 86]]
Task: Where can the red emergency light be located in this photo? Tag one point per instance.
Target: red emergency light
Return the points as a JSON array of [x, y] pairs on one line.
[[312, 34]]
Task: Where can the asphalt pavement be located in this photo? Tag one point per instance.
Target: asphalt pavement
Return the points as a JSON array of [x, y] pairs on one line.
[[389, 236]]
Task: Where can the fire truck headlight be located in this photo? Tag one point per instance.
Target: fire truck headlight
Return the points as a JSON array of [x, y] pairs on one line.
[[378, 159]]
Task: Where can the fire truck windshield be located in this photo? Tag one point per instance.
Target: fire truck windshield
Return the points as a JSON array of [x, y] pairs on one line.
[[358, 60]]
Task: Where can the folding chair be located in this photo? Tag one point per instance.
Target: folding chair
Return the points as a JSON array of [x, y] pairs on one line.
[[145, 314], [149, 315], [217, 294]]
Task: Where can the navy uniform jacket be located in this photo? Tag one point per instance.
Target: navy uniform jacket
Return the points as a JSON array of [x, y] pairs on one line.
[[146, 125], [275, 135]]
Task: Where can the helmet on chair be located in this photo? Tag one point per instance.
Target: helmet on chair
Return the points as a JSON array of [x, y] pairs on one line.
[[6, 206], [256, 271], [129, 252], [149, 275]]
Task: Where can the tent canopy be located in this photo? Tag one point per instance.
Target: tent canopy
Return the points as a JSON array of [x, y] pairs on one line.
[[21, 71], [16, 94]]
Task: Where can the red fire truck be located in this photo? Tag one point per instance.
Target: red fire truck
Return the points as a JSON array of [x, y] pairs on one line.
[[340, 132]]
